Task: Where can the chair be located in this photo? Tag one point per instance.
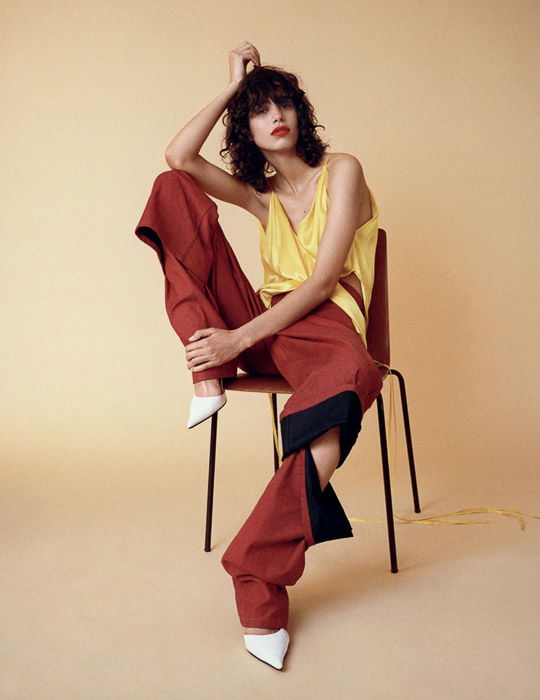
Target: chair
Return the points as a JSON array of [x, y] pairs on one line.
[[378, 343]]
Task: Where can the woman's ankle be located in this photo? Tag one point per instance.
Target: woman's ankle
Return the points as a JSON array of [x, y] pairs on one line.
[[208, 387], [258, 630]]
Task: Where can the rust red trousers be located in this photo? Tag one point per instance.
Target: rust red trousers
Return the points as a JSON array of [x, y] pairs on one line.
[[334, 378]]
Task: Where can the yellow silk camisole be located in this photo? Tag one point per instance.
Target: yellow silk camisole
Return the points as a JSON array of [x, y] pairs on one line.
[[288, 258]]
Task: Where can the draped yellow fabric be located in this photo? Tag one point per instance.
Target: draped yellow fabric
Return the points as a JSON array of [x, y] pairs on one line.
[[288, 258]]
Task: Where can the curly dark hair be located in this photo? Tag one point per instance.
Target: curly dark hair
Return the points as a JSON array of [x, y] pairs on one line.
[[257, 87]]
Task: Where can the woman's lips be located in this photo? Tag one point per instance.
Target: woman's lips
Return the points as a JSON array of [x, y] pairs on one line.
[[281, 131]]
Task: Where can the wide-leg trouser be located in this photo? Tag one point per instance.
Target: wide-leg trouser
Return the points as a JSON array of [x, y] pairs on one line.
[[334, 378]]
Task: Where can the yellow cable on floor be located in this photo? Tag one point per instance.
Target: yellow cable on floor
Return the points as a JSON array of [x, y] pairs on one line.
[[439, 519]]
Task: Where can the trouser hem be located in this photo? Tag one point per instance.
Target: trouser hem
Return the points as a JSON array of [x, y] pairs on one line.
[[273, 623], [300, 428], [222, 372]]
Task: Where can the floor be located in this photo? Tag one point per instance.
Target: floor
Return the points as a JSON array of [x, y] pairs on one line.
[[106, 592]]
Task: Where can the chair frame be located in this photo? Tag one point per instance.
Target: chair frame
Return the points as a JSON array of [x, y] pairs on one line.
[[379, 347], [384, 461]]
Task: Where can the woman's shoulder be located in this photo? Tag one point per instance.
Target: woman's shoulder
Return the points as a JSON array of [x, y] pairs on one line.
[[343, 162], [332, 160], [343, 169]]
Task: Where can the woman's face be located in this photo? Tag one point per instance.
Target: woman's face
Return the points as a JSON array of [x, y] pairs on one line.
[[273, 116]]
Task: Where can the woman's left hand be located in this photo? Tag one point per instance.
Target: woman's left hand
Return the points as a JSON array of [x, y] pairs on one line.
[[211, 347]]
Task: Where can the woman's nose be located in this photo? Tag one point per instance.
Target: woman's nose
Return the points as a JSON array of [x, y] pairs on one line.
[[277, 112]]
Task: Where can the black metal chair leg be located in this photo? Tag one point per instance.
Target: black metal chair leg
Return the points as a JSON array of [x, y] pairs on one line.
[[275, 431], [406, 423], [387, 486], [210, 491]]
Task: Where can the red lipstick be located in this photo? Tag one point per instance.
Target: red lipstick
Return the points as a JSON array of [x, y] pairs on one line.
[[280, 131]]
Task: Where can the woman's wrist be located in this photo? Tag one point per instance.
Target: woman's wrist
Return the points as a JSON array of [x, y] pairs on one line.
[[232, 88], [245, 338]]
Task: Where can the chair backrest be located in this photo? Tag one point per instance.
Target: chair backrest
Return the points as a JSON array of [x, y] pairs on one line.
[[378, 329]]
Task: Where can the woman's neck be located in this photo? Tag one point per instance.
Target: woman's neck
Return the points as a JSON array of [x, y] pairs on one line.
[[292, 173]]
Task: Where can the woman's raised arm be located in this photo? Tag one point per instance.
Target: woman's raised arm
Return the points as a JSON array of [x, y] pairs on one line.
[[183, 151]]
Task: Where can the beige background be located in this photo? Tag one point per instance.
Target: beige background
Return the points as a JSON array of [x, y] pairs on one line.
[[103, 487]]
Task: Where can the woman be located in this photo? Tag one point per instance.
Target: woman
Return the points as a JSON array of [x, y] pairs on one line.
[[318, 232]]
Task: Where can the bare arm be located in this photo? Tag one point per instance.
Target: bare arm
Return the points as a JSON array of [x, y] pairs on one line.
[[347, 193], [187, 143], [183, 151]]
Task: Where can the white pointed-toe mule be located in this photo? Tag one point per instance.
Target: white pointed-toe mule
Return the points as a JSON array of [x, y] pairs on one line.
[[270, 648], [202, 407]]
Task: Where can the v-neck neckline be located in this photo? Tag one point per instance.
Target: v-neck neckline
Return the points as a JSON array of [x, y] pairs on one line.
[[310, 208]]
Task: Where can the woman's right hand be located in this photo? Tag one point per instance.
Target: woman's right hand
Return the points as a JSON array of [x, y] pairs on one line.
[[239, 58]]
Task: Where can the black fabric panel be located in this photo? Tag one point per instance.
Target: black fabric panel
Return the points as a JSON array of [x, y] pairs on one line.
[[300, 428], [328, 519]]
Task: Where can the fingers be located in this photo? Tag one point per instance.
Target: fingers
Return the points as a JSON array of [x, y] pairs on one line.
[[248, 52], [201, 333], [205, 365], [201, 368], [239, 58], [193, 354], [210, 347], [195, 357], [255, 56], [198, 362], [197, 351]]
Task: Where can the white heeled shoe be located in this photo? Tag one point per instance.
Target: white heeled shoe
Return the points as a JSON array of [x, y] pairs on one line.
[[202, 407], [270, 648]]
